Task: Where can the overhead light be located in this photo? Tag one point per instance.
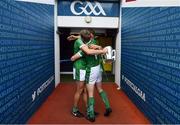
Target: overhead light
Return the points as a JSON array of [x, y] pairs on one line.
[[88, 19]]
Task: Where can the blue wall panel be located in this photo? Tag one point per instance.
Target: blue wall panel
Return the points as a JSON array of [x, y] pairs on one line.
[[26, 58], [151, 61]]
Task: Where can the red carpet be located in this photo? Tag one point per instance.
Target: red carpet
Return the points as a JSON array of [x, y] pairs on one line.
[[57, 108]]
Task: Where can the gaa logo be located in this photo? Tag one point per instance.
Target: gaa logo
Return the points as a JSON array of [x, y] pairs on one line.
[[78, 8]]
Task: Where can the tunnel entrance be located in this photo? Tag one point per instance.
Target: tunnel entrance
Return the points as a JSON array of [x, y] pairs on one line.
[[105, 37]]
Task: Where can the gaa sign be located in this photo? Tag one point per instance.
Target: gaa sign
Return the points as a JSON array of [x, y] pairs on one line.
[[95, 9], [89, 8]]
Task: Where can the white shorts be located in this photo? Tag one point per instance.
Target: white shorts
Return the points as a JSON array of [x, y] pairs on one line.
[[94, 75], [79, 74]]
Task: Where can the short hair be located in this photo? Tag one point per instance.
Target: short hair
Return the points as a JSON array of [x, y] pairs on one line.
[[85, 35], [92, 31]]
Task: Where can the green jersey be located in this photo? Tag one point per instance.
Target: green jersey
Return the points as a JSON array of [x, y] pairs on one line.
[[80, 63], [92, 60]]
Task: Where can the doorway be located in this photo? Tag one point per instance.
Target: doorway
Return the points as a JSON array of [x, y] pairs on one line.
[[106, 37]]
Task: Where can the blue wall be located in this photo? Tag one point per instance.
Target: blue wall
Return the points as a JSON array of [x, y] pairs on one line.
[[151, 61], [26, 58]]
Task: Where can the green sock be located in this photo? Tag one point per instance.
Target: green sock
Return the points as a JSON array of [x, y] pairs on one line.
[[105, 99], [75, 109], [90, 109]]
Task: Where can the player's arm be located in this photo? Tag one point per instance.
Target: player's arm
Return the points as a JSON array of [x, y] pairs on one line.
[[80, 53], [72, 37], [88, 51], [77, 56], [93, 46]]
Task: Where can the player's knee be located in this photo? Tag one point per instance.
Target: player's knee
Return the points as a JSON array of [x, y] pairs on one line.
[[80, 90], [84, 89], [99, 88]]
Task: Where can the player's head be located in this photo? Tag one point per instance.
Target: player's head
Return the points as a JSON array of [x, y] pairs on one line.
[[85, 35], [92, 33]]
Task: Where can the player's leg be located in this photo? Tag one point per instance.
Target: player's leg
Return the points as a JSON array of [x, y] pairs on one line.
[[91, 101], [90, 81], [79, 90], [85, 96], [103, 94], [79, 76]]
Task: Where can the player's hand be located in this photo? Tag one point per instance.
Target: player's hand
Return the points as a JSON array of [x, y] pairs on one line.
[[100, 48], [72, 37], [92, 46], [72, 58], [105, 50]]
